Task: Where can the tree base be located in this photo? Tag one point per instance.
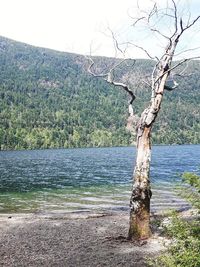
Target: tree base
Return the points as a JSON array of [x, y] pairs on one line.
[[139, 228]]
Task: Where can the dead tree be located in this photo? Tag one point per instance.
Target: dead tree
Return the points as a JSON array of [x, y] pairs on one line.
[[141, 191]]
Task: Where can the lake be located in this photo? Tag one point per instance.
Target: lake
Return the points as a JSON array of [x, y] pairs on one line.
[[63, 180]]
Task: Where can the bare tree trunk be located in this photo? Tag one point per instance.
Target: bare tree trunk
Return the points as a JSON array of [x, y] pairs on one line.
[[141, 192]]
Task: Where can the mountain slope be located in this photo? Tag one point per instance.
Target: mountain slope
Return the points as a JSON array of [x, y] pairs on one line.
[[47, 99]]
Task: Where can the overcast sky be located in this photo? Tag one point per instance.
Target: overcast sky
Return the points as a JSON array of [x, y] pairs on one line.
[[77, 25]]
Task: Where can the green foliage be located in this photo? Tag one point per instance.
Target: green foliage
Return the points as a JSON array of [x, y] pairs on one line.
[[185, 250], [192, 179], [48, 100], [191, 191]]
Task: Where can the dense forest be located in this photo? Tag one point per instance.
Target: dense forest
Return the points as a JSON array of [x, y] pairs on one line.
[[48, 100]]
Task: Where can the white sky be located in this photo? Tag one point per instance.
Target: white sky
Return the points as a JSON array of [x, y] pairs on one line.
[[73, 25]]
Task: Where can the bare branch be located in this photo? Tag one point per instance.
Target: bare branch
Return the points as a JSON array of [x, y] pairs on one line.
[[182, 72], [192, 23], [181, 24], [157, 31], [152, 12], [116, 44], [171, 88], [109, 78], [187, 50], [147, 53], [181, 62], [143, 49], [153, 81], [174, 67], [189, 17], [147, 83], [137, 20], [89, 69], [175, 17], [125, 87]]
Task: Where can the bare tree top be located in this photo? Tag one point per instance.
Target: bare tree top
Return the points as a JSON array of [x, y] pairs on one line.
[[169, 23]]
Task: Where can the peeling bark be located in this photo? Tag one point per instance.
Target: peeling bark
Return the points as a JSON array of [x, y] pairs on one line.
[[141, 192]]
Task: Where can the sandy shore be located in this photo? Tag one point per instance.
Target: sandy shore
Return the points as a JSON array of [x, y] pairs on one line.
[[71, 240]]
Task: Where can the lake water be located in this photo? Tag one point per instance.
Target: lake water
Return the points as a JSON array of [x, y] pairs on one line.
[[65, 180]]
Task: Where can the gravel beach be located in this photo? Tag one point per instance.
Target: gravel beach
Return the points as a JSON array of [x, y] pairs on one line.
[[72, 240]]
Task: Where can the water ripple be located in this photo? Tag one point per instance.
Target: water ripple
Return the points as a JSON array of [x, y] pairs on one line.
[[48, 179]]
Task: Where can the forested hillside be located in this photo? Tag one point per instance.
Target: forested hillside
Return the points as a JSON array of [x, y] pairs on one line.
[[47, 100]]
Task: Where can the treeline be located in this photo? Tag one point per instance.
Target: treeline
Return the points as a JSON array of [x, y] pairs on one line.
[[48, 100]]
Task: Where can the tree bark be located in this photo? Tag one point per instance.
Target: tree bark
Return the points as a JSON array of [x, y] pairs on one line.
[[139, 228], [141, 192]]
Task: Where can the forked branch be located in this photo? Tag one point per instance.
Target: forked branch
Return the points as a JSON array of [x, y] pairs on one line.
[[109, 78]]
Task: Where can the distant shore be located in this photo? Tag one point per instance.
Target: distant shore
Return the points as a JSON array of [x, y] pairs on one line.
[[90, 147]]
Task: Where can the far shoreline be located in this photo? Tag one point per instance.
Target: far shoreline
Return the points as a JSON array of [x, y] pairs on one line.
[[99, 147]]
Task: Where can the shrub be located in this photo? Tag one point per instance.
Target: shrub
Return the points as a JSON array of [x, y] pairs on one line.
[[185, 234]]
